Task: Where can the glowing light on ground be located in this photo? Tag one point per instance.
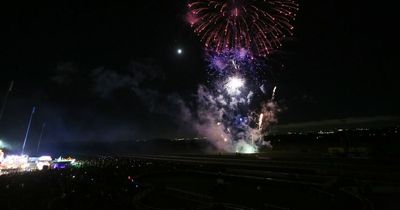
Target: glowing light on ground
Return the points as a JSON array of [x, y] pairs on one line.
[[245, 148]]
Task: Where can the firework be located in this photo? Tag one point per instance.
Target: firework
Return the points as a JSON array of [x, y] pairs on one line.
[[233, 85], [260, 121], [237, 62], [238, 35], [257, 26], [230, 60], [273, 94]]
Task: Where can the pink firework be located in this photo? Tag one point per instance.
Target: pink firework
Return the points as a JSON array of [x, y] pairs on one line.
[[255, 25]]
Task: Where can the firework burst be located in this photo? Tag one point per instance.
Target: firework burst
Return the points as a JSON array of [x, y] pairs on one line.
[[255, 25]]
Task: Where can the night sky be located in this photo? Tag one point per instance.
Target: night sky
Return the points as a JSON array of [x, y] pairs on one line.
[[108, 72]]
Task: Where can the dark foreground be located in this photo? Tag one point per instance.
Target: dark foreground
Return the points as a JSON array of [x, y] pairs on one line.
[[208, 182]]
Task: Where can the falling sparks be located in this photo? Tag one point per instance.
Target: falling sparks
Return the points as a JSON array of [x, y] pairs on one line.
[[255, 25]]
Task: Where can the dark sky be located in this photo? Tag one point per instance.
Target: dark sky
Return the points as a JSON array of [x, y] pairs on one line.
[[109, 71]]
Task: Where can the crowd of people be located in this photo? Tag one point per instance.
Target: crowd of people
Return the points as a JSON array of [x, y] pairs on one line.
[[103, 183]]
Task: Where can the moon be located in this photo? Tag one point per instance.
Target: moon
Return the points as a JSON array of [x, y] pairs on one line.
[[179, 51]]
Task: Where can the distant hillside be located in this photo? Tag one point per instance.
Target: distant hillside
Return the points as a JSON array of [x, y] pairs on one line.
[[347, 123]]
